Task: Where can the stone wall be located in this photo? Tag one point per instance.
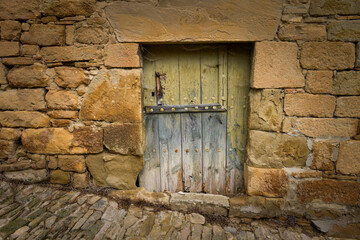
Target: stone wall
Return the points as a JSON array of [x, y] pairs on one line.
[[71, 108]]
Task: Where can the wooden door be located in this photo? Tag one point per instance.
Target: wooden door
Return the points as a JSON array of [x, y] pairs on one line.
[[195, 99]]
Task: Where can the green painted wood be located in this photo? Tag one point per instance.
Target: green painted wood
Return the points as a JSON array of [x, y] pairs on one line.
[[214, 152], [223, 76], [192, 151], [209, 76], [151, 156], [170, 152], [149, 80]]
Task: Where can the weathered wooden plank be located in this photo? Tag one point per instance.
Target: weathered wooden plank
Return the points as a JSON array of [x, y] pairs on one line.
[[214, 152], [209, 76], [149, 79], [150, 176], [238, 85], [223, 76], [189, 67], [170, 152], [192, 151]]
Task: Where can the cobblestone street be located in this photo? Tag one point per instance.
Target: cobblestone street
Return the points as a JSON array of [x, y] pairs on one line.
[[44, 212]]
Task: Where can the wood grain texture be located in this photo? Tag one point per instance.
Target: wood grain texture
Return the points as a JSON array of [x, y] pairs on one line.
[[209, 76], [149, 81]]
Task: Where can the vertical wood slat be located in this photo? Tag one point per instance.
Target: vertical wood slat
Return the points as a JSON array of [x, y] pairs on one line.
[[149, 81], [150, 176], [170, 160], [223, 76], [192, 159], [209, 76], [238, 75], [214, 152]]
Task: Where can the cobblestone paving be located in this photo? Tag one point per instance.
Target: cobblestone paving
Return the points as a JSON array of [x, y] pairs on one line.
[[43, 212]]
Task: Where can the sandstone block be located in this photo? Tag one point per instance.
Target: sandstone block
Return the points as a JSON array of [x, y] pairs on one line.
[[63, 114], [19, 9], [357, 64], [29, 50], [3, 72], [22, 99], [10, 133], [327, 55], [70, 34], [81, 180], [141, 195], [9, 167], [24, 119], [332, 7], [276, 66], [10, 30], [117, 171], [66, 8], [17, 61], [7, 148], [52, 162], [29, 76], [60, 122], [347, 83], [74, 163], [328, 191], [60, 177], [70, 53], [276, 150], [348, 107], [266, 182], [319, 81], [122, 55], [126, 139], [8, 49], [69, 77], [92, 35], [323, 156], [322, 127], [266, 109], [61, 100], [44, 35], [344, 30], [29, 175], [61, 141], [309, 105], [349, 158], [306, 32], [114, 96]]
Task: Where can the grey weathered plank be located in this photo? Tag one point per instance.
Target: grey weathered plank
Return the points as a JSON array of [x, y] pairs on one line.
[[192, 151], [214, 152], [170, 152]]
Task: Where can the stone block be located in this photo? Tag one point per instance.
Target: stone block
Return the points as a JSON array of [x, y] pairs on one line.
[[203, 203], [10, 133], [10, 167], [70, 53], [114, 96], [29, 50], [322, 127], [332, 7], [60, 177], [69, 77], [125, 55], [126, 139], [7, 148], [327, 55], [80, 180], [117, 171], [29, 76], [17, 61], [24, 119], [60, 122], [266, 109], [3, 73], [266, 182], [275, 65], [61, 141], [61, 100], [309, 105], [328, 191], [347, 83], [305, 32], [19, 9], [323, 156], [52, 162], [348, 107], [92, 35], [276, 150], [8, 49], [68, 8], [349, 158], [73, 163], [141, 195], [319, 81], [22, 99], [344, 31], [29, 175], [10, 30], [357, 64], [63, 114], [44, 35]]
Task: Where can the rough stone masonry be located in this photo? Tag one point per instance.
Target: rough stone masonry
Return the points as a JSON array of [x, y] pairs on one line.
[[71, 106]]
